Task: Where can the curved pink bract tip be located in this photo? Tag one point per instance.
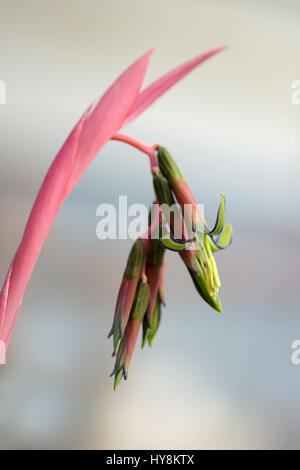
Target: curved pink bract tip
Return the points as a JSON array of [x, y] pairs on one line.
[[164, 83], [92, 131]]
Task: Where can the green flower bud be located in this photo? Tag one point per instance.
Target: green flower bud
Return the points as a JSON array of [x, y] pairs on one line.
[[141, 301], [163, 190], [167, 165], [149, 334], [135, 260], [127, 291], [156, 253]]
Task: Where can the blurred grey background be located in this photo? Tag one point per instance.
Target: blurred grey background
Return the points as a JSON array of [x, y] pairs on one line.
[[210, 381]]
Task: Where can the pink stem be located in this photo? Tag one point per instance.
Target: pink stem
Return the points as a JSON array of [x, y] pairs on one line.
[[147, 149], [150, 151]]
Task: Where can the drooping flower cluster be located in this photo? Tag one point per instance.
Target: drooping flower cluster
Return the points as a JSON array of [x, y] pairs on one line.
[[140, 296]]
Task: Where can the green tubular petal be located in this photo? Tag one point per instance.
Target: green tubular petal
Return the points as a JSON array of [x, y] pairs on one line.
[[155, 322], [218, 224], [116, 346], [213, 246], [118, 378], [169, 242], [226, 235], [207, 246], [201, 285], [117, 331], [209, 265], [215, 273], [118, 371], [149, 334], [224, 238], [199, 245], [141, 301], [220, 217]]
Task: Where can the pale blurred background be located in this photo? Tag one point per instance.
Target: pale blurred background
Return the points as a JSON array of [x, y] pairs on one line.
[[209, 381]]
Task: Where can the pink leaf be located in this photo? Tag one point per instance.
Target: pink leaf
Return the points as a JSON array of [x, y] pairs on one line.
[[96, 127], [147, 97]]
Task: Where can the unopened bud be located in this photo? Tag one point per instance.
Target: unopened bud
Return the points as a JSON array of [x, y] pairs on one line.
[[141, 301], [183, 194], [156, 253], [155, 260], [128, 342], [127, 291], [149, 333], [135, 260], [167, 165], [163, 190]]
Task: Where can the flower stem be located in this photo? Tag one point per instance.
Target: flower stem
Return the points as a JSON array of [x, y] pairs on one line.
[[147, 149]]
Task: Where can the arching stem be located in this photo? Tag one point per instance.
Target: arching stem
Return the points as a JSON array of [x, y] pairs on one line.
[[147, 149]]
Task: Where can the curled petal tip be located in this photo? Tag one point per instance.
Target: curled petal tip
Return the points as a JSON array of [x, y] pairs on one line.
[[223, 240]]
